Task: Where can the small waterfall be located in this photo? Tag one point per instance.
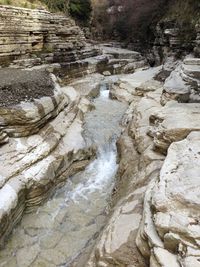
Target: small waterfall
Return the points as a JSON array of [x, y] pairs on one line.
[[71, 221]]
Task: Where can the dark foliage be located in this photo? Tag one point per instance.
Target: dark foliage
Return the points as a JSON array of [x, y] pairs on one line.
[[80, 9]]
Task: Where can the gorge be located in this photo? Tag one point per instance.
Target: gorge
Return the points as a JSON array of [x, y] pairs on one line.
[[99, 151]]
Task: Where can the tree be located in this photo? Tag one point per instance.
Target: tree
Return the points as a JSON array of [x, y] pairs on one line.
[[80, 9], [57, 5]]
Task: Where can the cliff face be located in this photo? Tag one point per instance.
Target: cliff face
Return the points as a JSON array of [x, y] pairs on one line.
[[173, 40], [37, 35], [157, 28]]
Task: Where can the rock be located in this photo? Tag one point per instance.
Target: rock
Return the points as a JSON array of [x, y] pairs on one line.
[[116, 246], [167, 129], [125, 88], [106, 73], [122, 60], [138, 164], [183, 84], [3, 137], [33, 166], [169, 35], [88, 86], [22, 85], [46, 35], [23, 118], [175, 88], [172, 202], [26, 256]]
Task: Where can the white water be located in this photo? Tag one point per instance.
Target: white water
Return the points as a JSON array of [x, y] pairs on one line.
[[70, 222]]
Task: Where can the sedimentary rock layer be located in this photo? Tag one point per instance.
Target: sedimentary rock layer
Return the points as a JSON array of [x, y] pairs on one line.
[[35, 36], [33, 166], [183, 84], [165, 227]]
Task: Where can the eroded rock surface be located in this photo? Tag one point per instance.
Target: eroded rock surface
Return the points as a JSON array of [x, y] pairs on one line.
[[183, 85], [157, 197], [138, 163], [49, 148], [32, 37], [170, 221]]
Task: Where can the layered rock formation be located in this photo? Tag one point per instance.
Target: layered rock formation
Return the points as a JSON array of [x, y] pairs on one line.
[[49, 148], [32, 38], [183, 84], [37, 36], [137, 165], [173, 39], [41, 123], [165, 227]]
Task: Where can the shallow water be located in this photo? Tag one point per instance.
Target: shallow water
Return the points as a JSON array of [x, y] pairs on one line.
[[70, 221]]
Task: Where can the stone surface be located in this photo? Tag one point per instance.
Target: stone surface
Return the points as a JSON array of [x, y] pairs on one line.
[[31, 37], [33, 166], [122, 60], [172, 213], [128, 86], [172, 39], [168, 128], [183, 84], [117, 244]]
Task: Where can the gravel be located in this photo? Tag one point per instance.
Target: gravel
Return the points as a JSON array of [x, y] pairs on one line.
[[21, 85]]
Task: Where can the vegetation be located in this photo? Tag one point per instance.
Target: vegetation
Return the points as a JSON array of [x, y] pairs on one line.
[[57, 5], [22, 3], [134, 21], [130, 19], [80, 9]]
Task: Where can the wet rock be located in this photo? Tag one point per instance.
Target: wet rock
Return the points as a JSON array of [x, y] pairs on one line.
[[88, 86], [33, 166], [27, 255], [117, 244]]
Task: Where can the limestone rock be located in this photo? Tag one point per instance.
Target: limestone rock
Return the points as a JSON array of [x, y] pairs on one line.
[[183, 84], [173, 201], [173, 123], [122, 60], [27, 118], [47, 36], [138, 164], [88, 86], [33, 166], [126, 88]]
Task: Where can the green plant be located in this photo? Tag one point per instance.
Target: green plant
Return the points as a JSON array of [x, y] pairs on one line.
[[80, 9], [56, 5]]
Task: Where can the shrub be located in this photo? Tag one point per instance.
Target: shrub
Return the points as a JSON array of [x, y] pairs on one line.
[[80, 9]]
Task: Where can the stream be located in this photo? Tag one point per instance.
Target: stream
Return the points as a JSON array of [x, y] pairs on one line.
[[69, 223]]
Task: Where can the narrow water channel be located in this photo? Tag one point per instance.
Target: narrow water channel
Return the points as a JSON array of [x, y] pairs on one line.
[[71, 220]]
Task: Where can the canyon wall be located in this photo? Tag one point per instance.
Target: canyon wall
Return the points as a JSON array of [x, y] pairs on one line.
[[38, 36], [158, 29]]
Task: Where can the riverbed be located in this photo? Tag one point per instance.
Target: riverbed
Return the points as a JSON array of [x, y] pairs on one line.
[[70, 222]]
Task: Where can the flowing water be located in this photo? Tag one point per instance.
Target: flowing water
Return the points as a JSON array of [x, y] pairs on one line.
[[71, 220]]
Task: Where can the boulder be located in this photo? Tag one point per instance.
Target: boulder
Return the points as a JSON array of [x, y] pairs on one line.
[[173, 123], [129, 86], [183, 85], [170, 227]]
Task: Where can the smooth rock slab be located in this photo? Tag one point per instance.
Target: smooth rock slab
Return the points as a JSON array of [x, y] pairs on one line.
[[132, 85], [33, 166], [173, 123], [173, 201]]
